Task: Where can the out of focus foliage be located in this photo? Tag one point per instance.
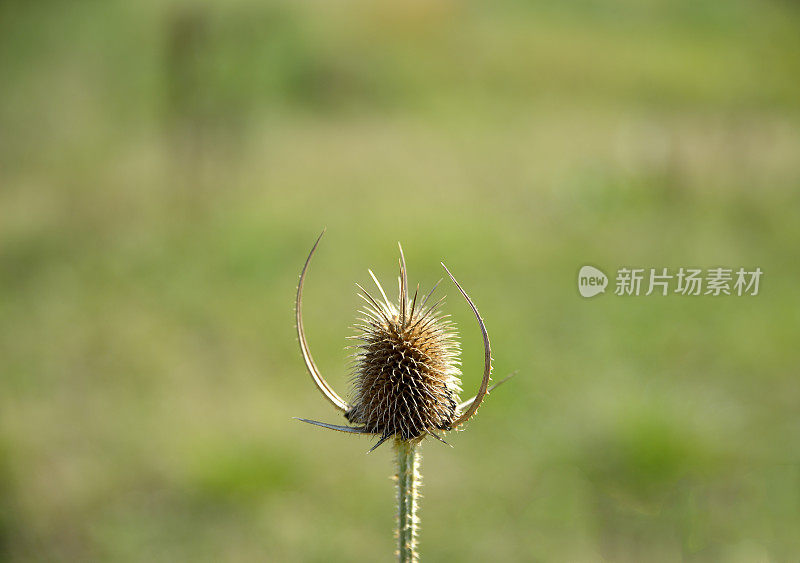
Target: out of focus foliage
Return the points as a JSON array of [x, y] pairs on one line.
[[165, 167]]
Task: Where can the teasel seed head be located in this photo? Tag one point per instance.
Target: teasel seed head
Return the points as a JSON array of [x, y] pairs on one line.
[[406, 377]]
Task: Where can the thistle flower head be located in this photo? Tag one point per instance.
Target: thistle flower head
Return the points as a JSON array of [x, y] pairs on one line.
[[406, 376]]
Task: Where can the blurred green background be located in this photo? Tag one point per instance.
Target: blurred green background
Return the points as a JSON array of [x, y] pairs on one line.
[[166, 166]]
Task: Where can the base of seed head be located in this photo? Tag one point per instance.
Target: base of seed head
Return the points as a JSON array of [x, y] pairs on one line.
[[406, 380]]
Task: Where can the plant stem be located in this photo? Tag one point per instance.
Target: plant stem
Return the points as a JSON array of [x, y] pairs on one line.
[[408, 482]]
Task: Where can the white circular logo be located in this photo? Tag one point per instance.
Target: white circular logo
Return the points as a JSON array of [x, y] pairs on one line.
[[591, 281]]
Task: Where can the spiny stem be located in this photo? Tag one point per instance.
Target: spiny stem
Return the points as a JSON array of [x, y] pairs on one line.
[[408, 482]]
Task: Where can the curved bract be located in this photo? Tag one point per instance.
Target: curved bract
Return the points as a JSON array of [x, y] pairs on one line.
[[319, 381], [487, 365]]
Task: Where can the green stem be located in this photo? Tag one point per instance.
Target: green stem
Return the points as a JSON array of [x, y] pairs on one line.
[[408, 482]]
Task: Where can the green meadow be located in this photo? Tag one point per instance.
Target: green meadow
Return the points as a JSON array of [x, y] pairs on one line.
[[165, 167]]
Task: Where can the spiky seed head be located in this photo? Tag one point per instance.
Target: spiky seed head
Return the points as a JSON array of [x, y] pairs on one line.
[[406, 378]]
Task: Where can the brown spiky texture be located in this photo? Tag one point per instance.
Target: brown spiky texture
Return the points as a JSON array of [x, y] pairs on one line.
[[406, 378]]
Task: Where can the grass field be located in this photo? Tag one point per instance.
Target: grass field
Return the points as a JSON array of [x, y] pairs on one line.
[[165, 168]]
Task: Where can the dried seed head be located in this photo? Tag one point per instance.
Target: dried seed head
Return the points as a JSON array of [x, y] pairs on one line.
[[406, 379]]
